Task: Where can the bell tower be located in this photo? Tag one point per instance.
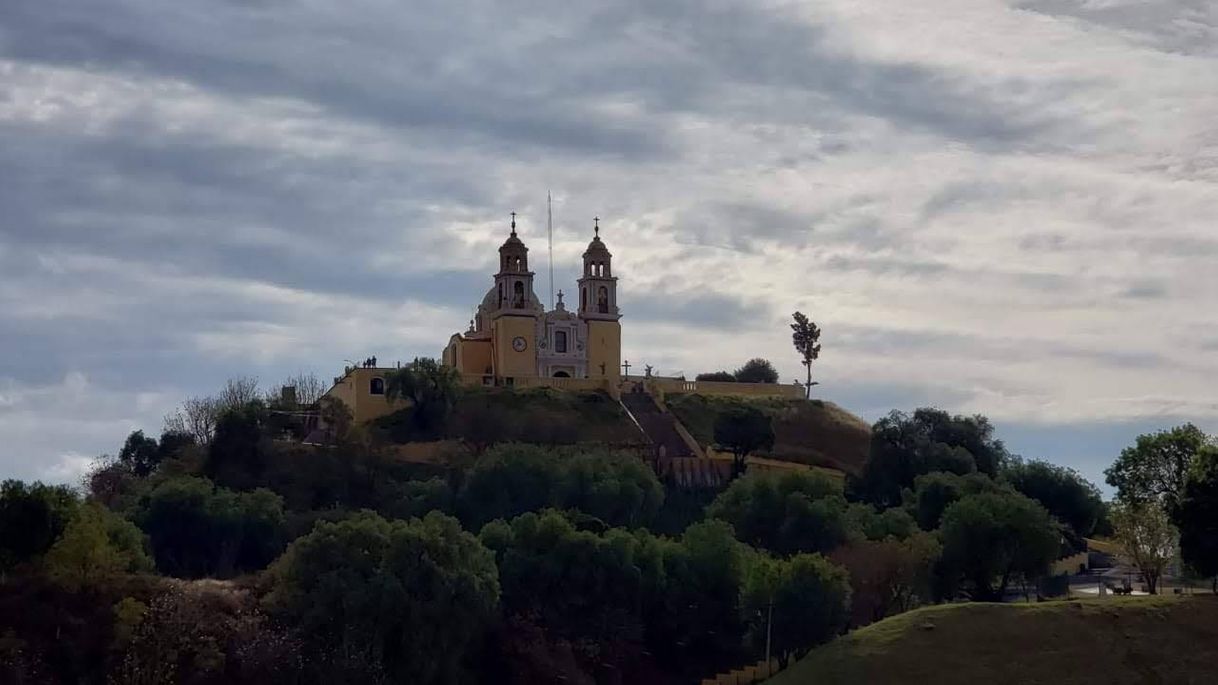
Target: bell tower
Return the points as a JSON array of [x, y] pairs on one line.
[[598, 308], [513, 310]]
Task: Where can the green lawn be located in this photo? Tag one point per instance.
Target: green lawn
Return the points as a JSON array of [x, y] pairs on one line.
[[1105, 641]]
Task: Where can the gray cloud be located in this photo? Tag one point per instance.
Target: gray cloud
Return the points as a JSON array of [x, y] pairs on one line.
[[1016, 220]]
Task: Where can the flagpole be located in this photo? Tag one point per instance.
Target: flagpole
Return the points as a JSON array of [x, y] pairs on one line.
[[550, 225]]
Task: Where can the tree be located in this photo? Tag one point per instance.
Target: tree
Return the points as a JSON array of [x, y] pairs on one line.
[[742, 431], [1198, 516], [197, 529], [197, 417], [809, 598], [991, 539], [618, 489], [934, 492], [413, 596], [508, 481], [904, 446], [430, 387], [238, 393], [757, 370], [717, 377], [888, 576], [95, 546], [239, 451], [1148, 538], [786, 514], [140, 454], [32, 517], [805, 335], [307, 388], [865, 522], [1067, 495], [1156, 466]]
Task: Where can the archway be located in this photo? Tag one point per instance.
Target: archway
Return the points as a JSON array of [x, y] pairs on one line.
[[561, 374]]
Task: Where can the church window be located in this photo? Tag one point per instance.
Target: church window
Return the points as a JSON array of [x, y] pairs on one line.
[[583, 298], [602, 300], [518, 297], [560, 341], [376, 386], [500, 295]]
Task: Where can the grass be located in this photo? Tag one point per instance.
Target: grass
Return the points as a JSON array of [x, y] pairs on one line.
[[1164, 639], [805, 431]]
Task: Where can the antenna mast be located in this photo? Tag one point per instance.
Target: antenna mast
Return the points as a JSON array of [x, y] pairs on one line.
[[550, 227]]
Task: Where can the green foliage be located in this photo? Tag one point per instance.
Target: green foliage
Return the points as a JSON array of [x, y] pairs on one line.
[[991, 539], [430, 387], [805, 335], [905, 446], [240, 448], [785, 514], [197, 529], [32, 517], [742, 431], [934, 492], [413, 596], [717, 377], [1197, 516], [1156, 466], [757, 370], [95, 546], [1067, 495], [583, 585], [140, 454], [1147, 536], [512, 479], [809, 598], [865, 521]]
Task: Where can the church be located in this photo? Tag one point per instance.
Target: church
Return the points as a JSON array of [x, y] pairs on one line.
[[512, 338]]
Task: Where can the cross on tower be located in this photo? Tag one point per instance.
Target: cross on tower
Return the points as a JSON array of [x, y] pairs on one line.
[[513, 223], [596, 225], [626, 366]]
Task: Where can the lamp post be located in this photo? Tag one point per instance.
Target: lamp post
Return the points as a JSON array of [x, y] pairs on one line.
[[769, 621]]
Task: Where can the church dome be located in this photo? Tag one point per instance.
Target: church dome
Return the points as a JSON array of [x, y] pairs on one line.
[[597, 248]]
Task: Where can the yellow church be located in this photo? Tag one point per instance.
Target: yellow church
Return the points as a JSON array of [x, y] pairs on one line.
[[512, 340]]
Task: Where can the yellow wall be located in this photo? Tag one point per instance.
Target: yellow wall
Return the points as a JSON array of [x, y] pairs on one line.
[[604, 346], [508, 362], [353, 390]]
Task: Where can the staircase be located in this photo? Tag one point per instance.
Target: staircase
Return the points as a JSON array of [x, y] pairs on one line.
[[675, 455]]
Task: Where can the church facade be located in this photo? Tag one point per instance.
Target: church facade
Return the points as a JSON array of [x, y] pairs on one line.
[[512, 339]]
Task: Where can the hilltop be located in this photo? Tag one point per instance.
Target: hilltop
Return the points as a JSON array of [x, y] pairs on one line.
[[813, 432], [1111, 641]]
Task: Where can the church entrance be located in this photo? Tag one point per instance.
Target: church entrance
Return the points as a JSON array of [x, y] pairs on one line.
[[561, 374]]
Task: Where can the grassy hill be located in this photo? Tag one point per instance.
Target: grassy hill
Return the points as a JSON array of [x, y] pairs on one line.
[[808, 432], [1110, 641], [536, 415]]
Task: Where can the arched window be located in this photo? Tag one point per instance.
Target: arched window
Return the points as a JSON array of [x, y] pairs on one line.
[[518, 296], [602, 300], [500, 295], [560, 341], [583, 299], [376, 386]]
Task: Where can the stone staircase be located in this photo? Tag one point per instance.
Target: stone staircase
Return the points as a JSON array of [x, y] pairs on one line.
[[675, 454]]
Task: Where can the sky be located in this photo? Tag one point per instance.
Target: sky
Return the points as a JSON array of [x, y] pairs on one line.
[[997, 207]]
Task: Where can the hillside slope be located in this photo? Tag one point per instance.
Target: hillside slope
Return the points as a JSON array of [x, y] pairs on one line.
[[1109, 641], [807, 432]]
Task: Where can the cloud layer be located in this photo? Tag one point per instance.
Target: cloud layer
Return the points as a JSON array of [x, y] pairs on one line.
[[997, 207]]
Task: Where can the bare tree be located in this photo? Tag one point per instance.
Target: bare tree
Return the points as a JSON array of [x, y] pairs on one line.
[[307, 386], [238, 392], [197, 417]]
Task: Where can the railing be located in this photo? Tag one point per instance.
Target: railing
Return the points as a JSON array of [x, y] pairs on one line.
[[668, 385], [538, 382]]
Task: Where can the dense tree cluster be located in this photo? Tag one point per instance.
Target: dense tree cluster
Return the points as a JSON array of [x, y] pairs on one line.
[[342, 563]]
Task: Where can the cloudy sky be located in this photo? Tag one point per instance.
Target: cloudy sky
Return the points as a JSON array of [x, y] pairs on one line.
[[1005, 207]]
